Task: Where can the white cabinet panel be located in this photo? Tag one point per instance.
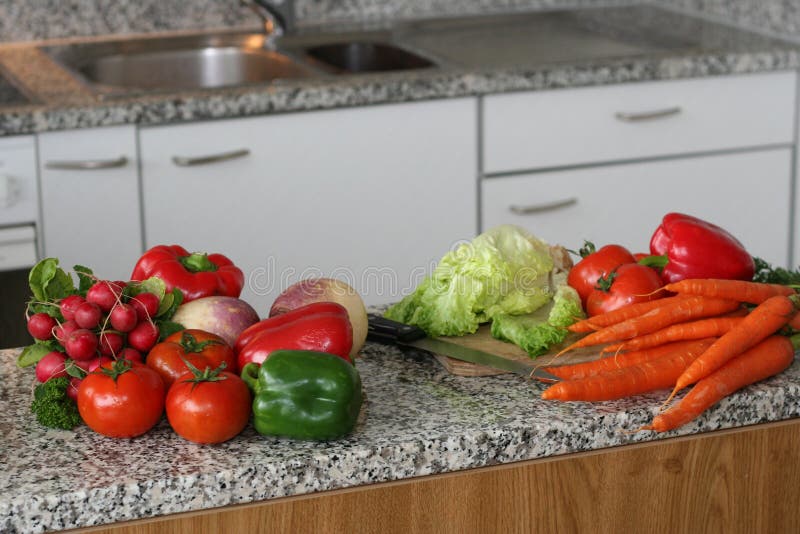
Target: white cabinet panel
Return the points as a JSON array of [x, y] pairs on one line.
[[745, 193], [19, 198], [91, 214], [371, 195], [576, 126]]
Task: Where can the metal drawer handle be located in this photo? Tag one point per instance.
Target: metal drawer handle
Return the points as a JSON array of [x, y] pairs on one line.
[[647, 115], [87, 165], [213, 158], [541, 208]]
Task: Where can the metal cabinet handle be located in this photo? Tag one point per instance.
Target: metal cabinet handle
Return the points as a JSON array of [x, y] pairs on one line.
[[212, 158], [87, 165], [647, 115], [541, 208]]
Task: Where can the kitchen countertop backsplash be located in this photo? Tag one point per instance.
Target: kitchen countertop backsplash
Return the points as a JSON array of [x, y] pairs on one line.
[[27, 20]]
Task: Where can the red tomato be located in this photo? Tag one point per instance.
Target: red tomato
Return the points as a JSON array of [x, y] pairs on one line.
[[200, 348], [584, 275], [629, 283], [208, 411], [121, 399]]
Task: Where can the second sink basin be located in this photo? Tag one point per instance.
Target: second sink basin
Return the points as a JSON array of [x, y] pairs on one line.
[[362, 56]]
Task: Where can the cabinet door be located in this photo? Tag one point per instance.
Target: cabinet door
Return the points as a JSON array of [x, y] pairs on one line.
[[91, 214], [746, 193], [373, 196]]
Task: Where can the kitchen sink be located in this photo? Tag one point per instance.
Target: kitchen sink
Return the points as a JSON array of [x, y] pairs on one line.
[[185, 62], [354, 57], [221, 60]]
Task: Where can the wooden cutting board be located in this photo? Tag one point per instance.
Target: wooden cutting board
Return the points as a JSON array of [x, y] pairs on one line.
[[483, 340]]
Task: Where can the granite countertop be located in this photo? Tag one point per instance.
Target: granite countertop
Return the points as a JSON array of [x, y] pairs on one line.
[[475, 56], [417, 420]]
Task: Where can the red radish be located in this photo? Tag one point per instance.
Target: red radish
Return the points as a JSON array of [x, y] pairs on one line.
[[130, 354], [123, 317], [103, 294], [94, 363], [81, 344], [111, 343], [88, 315], [63, 330], [40, 326], [72, 389], [326, 290], [51, 366], [143, 337], [146, 305], [69, 305], [118, 286]]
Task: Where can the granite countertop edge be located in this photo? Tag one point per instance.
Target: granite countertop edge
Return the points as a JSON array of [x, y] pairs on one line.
[[363, 459], [85, 110]]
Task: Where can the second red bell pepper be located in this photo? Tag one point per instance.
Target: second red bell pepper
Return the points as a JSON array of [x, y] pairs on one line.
[[321, 327], [195, 275], [688, 247]]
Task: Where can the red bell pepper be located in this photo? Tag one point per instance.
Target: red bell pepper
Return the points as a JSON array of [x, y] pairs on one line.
[[688, 247], [315, 308], [195, 275], [312, 327]]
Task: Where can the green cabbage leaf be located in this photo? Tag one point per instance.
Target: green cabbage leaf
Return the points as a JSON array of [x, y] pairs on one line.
[[503, 272]]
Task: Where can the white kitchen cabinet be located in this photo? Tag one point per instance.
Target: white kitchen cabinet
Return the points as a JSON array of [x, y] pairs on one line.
[[91, 213], [373, 196], [746, 193], [568, 127]]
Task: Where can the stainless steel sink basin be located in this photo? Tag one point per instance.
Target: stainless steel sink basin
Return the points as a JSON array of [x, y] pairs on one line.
[[186, 62], [362, 56]]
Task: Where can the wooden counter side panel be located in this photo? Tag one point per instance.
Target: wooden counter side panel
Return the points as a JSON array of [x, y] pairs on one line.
[[730, 481]]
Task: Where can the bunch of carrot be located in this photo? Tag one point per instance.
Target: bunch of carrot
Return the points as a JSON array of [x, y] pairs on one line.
[[703, 336]]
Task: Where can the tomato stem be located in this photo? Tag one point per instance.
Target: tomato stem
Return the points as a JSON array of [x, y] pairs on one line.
[[118, 368], [658, 262], [189, 343], [206, 375]]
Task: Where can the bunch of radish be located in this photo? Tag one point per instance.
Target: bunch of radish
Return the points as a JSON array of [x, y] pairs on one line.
[[108, 323]]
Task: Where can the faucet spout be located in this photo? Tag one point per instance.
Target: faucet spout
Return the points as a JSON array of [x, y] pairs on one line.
[[276, 16]]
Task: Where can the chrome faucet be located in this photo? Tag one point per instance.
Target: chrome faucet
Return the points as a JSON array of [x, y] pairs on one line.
[[277, 17]]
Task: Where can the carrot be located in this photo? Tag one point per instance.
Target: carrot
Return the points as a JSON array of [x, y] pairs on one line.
[[617, 383], [750, 292], [765, 319], [603, 320], [670, 313], [794, 322], [769, 357], [702, 328], [627, 359]]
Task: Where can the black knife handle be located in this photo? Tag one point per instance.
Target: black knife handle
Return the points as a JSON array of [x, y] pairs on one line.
[[385, 330]]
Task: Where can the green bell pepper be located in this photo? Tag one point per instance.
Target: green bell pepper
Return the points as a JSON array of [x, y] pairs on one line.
[[304, 394]]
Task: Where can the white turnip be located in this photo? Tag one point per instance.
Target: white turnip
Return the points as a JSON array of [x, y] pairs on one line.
[[226, 317], [326, 290]]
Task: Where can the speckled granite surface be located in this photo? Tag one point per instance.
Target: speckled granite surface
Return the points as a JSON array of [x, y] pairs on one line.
[[417, 420], [638, 44], [780, 17]]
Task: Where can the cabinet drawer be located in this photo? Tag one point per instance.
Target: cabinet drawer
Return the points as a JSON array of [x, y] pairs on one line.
[[577, 126], [746, 193]]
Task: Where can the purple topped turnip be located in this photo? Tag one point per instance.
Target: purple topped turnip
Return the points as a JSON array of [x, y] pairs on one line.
[[226, 317]]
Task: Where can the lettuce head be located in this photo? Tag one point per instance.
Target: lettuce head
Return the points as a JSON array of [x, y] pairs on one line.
[[536, 332], [503, 272]]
